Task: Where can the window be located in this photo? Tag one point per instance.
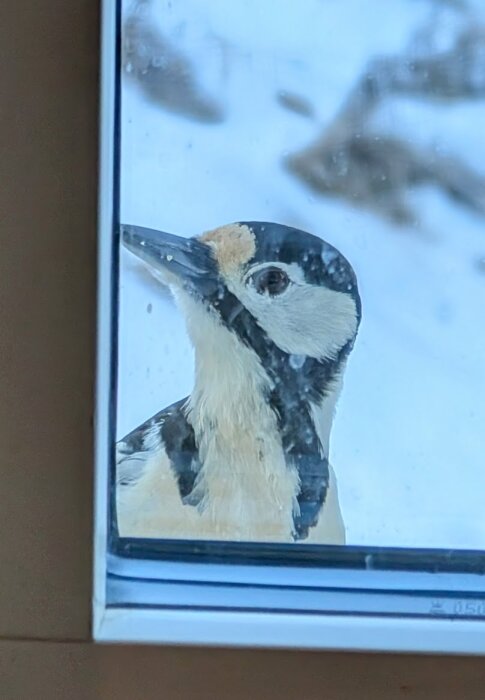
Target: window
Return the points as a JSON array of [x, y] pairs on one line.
[[291, 375]]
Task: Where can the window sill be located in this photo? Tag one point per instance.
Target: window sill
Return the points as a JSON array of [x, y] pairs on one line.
[[269, 630]]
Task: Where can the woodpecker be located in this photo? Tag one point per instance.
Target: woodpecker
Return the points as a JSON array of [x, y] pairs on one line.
[[273, 313]]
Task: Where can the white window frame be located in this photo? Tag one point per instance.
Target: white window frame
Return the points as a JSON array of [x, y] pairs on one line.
[[180, 617]]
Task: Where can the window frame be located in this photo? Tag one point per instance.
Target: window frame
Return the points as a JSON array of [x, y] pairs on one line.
[[185, 621]]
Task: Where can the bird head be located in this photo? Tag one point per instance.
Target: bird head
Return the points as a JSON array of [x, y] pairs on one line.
[[284, 292]]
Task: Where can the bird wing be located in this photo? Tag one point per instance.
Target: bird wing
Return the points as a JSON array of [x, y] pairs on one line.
[[167, 431]]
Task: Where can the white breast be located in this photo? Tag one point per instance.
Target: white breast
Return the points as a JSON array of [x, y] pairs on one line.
[[152, 507]]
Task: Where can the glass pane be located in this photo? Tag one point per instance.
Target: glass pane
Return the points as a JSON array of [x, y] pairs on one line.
[[301, 332]]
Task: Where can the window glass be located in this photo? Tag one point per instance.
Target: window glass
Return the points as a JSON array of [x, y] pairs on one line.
[[301, 298]]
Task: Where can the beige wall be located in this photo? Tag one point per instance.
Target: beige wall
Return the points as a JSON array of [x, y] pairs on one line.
[[48, 131]]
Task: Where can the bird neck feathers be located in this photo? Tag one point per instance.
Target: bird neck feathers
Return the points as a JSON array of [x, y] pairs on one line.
[[235, 395], [261, 427]]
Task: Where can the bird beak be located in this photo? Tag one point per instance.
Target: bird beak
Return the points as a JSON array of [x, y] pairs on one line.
[[175, 260]]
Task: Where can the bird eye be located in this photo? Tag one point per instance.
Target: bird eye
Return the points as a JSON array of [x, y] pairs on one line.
[[270, 280]]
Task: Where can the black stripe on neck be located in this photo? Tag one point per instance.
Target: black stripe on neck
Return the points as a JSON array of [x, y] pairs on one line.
[[297, 384]]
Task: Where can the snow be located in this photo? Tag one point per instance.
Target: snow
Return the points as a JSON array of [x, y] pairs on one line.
[[408, 441]]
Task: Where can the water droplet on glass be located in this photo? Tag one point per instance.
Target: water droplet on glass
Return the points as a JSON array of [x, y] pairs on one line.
[[297, 361], [328, 256], [158, 62]]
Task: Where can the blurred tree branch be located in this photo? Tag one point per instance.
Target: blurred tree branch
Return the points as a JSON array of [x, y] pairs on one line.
[[162, 73], [351, 160]]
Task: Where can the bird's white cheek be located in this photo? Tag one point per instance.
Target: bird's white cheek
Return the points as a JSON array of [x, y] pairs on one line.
[[310, 321]]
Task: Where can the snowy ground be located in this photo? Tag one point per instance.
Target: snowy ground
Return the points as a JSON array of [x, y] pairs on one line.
[[408, 443]]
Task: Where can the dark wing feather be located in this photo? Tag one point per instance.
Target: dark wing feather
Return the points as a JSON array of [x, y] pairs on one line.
[[168, 430]]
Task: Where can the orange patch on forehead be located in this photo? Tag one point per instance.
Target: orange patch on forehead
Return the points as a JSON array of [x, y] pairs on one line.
[[233, 244]]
